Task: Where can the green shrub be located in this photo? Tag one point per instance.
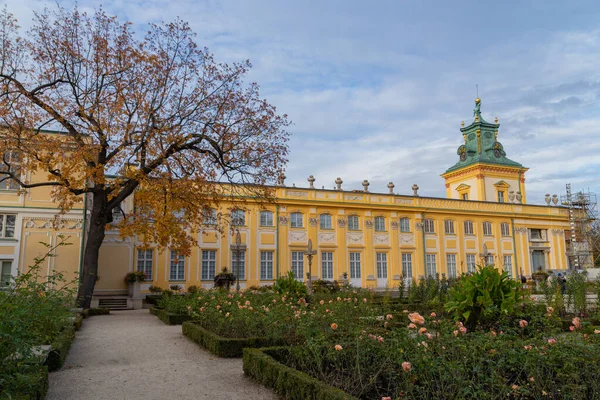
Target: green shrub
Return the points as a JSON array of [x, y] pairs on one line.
[[288, 285], [136, 276], [193, 289], [88, 312], [175, 304], [220, 346], [155, 289], [482, 296]]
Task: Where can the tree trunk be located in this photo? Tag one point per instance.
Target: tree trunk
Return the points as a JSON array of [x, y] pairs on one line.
[[95, 237]]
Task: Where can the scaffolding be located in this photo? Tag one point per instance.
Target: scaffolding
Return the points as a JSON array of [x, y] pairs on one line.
[[583, 241]]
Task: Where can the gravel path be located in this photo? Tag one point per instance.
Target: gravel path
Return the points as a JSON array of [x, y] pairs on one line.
[[132, 355]]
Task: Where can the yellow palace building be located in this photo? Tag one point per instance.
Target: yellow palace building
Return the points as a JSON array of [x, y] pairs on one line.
[[371, 239]]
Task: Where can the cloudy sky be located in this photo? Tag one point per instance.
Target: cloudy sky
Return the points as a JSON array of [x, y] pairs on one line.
[[377, 89]]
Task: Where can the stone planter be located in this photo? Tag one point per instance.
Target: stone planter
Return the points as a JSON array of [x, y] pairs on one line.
[[135, 294]]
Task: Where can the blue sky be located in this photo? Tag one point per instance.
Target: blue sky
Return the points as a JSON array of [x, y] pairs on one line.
[[377, 90]]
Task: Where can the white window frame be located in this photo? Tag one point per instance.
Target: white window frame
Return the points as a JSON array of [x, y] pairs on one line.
[[471, 263], [353, 223], [489, 260], [429, 225], [14, 159], [266, 265], [430, 266], [531, 235], [210, 219], [507, 264], [407, 265], [487, 229], [145, 263], [177, 270], [382, 265], [449, 227], [4, 226], [355, 270], [209, 265], [266, 218], [325, 221], [5, 277], [327, 265], [296, 220], [465, 196], [234, 264], [298, 265], [380, 224], [451, 265], [468, 227], [405, 224], [238, 217], [505, 229]]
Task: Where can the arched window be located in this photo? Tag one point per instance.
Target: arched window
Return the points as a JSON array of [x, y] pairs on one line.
[[449, 227], [266, 218], [325, 221], [487, 228], [505, 228], [429, 226], [380, 224], [296, 220], [468, 228], [353, 223]]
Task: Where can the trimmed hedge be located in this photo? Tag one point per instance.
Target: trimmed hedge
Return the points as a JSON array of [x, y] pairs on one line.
[[30, 384], [289, 383], [60, 348], [78, 322], [88, 312], [222, 347], [168, 318]]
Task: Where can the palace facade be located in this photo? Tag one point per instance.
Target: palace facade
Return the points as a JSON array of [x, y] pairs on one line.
[[371, 239]]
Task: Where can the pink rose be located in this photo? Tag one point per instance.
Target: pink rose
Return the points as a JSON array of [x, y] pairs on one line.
[[338, 347], [551, 341], [406, 366], [416, 318], [576, 322], [523, 323]]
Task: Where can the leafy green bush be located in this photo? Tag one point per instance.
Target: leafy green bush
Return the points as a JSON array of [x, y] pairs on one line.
[[289, 286], [174, 304], [34, 310], [136, 276], [155, 289], [483, 296]]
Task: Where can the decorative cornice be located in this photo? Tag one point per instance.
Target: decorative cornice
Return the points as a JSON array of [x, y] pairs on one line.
[[53, 223]]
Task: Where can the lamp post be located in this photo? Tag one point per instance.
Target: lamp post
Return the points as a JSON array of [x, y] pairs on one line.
[[309, 253], [238, 245]]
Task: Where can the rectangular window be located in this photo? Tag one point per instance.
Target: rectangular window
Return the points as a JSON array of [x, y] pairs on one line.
[[14, 160], [296, 220], [266, 218], [325, 221], [354, 265], [266, 265], [428, 226], [508, 265], [209, 217], [177, 272], [238, 218], [5, 274], [144, 263], [209, 264], [449, 227], [326, 265], [380, 224], [468, 228], [298, 265], [7, 225], [489, 260], [241, 264], [382, 266], [407, 265], [500, 196], [430, 267], [535, 234], [487, 228], [471, 266], [404, 225], [353, 223], [451, 265], [505, 228], [465, 196]]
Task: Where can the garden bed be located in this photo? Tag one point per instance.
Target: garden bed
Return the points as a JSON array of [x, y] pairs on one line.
[[60, 348], [169, 318], [30, 384], [220, 346], [88, 312], [263, 366]]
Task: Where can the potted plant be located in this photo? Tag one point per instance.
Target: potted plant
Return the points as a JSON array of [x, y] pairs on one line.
[[224, 279], [133, 280]]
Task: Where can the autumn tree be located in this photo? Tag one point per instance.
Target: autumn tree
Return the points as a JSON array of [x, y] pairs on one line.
[[152, 115]]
